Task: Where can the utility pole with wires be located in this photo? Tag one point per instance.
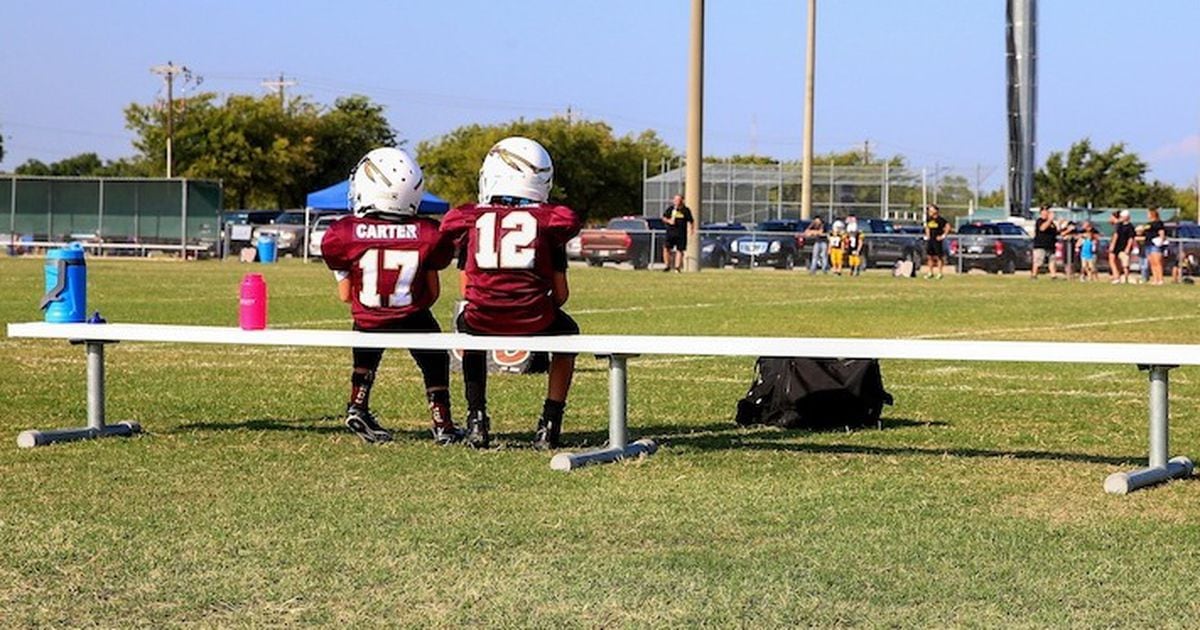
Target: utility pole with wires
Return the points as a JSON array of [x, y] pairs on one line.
[[278, 85], [168, 72]]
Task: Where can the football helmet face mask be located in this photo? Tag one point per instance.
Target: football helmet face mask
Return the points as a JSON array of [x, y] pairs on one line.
[[516, 167], [387, 182]]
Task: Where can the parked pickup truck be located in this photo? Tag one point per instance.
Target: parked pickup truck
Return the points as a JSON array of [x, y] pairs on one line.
[[993, 247], [625, 239], [885, 245]]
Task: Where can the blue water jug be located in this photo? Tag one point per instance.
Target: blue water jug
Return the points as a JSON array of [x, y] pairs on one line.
[[266, 249], [66, 285]]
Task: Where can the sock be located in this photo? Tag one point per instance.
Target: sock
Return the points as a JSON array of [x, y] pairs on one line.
[[360, 388], [552, 410], [475, 380], [440, 398]]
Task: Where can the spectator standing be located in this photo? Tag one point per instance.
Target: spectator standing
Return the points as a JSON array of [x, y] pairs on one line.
[[815, 232], [1045, 240], [1156, 242], [678, 218], [837, 247], [936, 229], [1139, 246], [854, 248], [1119, 248], [1087, 244]]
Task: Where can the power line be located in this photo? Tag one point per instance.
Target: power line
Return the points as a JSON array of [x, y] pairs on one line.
[[279, 85], [168, 72]]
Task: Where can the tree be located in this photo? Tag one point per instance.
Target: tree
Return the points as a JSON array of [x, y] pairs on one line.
[[345, 133], [82, 165], [595, 172], [265, 155], [1114, 178]]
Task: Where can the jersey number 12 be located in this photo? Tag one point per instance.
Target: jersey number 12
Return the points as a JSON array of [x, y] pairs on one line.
[[513, 251]]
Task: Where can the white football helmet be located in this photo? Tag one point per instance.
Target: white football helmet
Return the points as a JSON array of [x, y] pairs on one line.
[[386, 182], [516, 167], [838, 226]]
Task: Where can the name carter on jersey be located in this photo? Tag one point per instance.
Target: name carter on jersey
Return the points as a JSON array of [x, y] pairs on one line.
[[383, 231]]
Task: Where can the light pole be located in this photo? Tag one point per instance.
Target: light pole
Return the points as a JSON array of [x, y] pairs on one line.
[[809, 72], [695, 129], [168, 72]]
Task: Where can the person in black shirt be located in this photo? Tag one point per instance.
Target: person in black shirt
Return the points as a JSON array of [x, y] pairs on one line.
[[1156, 241], [1045, 238], [1119, 248], [936, 229], [678, 219]]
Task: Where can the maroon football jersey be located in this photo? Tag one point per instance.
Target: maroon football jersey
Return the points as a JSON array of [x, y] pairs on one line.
[[509, 263], [387, 263]]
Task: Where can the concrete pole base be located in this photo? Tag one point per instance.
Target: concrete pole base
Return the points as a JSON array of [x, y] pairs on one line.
[[1126, 482], [572, 461], [33, 437]]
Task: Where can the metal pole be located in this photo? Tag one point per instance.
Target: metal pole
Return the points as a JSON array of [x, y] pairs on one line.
[[307, 213], [1160, 469], [779, 200], [617, 403], [95, 386], [887, 188], [100, 213], [12, 217], [645, 188], [730, 189], [809, 80], [618, 447], [831, 190], [95, 410], [924, 190], [695, 132], [183, 219], [1159, 415]]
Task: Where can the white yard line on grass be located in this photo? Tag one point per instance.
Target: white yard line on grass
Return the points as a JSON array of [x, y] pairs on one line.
[[1076, 326], [674, 307]]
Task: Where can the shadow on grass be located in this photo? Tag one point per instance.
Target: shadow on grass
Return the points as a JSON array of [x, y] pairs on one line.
[[716, 436], [760, 439], [323, 424]]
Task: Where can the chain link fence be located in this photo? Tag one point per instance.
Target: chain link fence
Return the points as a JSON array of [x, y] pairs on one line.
[[748, 193]]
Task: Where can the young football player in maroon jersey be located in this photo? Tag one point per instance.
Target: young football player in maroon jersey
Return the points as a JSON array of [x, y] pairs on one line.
[[514, 274], [386, 260]]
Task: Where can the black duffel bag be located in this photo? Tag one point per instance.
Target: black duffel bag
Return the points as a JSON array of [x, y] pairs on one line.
[[814, 394]]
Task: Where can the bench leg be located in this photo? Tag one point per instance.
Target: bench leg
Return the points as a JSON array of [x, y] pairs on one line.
[[618, 447], [95, 410], [1160, 469]]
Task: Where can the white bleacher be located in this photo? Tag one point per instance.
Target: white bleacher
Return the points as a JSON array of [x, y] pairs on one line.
[[1157, 359]]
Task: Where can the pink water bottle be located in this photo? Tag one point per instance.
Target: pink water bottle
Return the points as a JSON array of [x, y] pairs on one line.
[[252, 311]]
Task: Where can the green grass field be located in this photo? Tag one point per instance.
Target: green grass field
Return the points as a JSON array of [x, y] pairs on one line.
[[247, 504]]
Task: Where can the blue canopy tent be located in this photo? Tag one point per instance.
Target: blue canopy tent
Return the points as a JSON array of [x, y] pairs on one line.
[[336, 197]]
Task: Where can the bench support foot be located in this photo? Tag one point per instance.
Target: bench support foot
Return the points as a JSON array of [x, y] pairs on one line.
[[1160, 469], [95, 409], [618, 447]]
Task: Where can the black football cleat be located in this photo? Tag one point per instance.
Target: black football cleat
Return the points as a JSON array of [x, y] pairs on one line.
[[548, 435], [478, 427], [364, 425], [443, 429]]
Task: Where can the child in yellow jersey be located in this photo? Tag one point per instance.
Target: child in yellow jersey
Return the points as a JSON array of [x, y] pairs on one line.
[[837, 247], [854, 248]]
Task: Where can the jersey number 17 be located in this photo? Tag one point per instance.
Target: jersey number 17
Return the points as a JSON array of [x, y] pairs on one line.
[[405, 261]]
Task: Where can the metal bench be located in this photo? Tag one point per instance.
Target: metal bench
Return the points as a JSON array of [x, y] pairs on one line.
[[1156, 359]]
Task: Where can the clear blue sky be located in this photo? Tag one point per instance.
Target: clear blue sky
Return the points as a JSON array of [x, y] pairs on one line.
[[924, 78]]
